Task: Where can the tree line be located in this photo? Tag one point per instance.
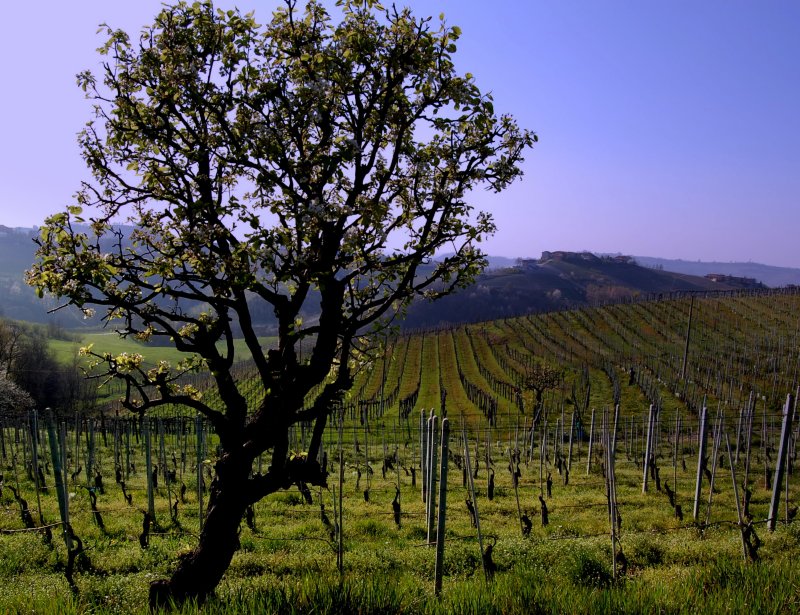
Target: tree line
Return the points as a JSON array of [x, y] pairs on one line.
[[31, 375]]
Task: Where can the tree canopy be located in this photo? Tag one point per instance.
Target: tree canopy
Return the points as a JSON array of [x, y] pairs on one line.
[[307, 160]]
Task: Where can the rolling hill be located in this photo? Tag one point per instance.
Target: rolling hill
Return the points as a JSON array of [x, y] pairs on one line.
[[556, 280], [559, 280], [766, 274]]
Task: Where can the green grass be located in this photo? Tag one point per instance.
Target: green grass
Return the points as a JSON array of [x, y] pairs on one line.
[[288, 564], [66, 352]]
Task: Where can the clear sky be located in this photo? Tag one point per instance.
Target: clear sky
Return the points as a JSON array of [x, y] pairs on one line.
[[668, 128]]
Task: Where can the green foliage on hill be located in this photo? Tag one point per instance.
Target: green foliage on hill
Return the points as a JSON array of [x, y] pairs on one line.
[[557, 281]]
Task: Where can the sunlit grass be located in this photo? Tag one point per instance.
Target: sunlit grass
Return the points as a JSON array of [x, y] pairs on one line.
[[66, 352], [288, 565]]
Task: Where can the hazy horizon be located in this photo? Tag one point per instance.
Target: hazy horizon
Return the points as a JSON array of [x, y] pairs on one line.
[[515, 257]]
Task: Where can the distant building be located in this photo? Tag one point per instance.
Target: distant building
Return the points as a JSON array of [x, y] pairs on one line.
[[625, 260], [733, 280]]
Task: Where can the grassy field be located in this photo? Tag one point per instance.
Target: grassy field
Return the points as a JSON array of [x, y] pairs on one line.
[[66, 352], [109, 394], [742, 360], [288, 562]]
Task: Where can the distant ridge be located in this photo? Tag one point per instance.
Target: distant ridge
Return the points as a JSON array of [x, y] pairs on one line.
[[510, 287], [560, 280], [500, 262], [766, 274]]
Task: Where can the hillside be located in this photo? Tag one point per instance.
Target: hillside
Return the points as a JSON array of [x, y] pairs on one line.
[[17, 300], [557, 280], [766, 274]]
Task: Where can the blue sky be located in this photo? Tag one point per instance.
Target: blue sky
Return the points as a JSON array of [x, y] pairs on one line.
[[666, 128]]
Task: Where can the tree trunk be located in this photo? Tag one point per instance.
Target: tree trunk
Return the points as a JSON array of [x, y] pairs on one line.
[[199, 572]]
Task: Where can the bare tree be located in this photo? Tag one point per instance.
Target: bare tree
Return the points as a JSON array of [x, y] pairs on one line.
[[540, 377]]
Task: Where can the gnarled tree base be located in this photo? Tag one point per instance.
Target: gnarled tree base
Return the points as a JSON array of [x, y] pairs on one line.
[[232, 491]]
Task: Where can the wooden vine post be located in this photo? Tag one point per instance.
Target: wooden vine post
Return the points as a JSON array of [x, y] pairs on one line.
[[777, 479], [34, 430], [151, 506], [611, 489], [736, 496], [423, 455], [471, 484], [591, 442], [127, 450], [90, 440], [433, 424], [686, 347], [442, 506], [542, 455], [675, 450], [648, 447], [77, 456], [162, 456], [515, 483], [701, 453], [59, 477], [717, 439], [740, 425], [198, 426], [340, 541], [569, 450], [116, 438], [65, 473], [748, 445]]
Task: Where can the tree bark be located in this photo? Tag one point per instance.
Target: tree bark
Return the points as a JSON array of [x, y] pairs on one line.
[[232, 490], [199, 572]]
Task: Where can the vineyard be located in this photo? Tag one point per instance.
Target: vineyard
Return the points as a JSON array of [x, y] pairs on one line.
[[626, 457]]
